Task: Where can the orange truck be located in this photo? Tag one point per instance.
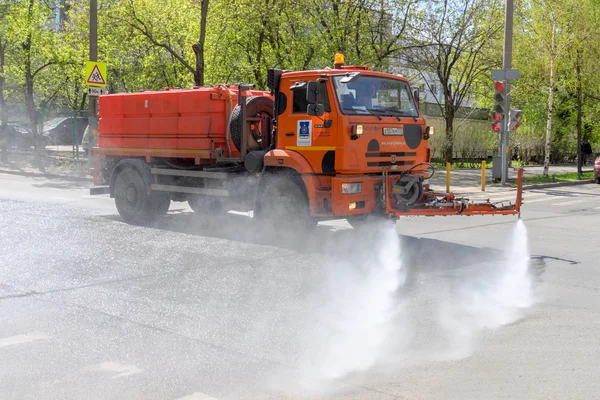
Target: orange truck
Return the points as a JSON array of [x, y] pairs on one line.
[[342, 142]]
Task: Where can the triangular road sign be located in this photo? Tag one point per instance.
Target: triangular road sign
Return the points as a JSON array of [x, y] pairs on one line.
[[96, 77]]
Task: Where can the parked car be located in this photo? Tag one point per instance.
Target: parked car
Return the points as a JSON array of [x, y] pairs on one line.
[[19, 135], [65, 130], [597, 170]]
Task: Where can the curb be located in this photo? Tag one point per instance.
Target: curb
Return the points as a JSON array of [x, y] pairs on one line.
[[45, 175], [557, 184]]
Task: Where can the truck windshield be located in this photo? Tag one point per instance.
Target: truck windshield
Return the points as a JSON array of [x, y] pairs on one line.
[[369, 95]]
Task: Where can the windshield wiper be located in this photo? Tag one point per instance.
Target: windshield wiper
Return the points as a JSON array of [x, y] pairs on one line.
[[394, 113], [385, 113], [370, 111]]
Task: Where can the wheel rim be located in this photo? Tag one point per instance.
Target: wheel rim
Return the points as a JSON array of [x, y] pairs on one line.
[[131, 195]]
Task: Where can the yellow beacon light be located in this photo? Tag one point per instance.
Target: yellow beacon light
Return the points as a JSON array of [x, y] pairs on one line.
[[339, 60]]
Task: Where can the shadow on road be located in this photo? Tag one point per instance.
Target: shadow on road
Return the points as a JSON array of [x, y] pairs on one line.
[[62, 184], [419, 255]]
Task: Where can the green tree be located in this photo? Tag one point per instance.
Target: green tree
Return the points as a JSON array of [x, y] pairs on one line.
[[28, 24], [453, 41]]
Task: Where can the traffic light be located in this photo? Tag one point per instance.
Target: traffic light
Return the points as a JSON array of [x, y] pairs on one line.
[[500, 99], [515, 119], [496, 121]]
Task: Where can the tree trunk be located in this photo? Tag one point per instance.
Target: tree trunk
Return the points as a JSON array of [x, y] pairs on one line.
[[199, 47], [29, 100], [550, 102], [3, 108], [579, 112], [449, 118], [449, 144]]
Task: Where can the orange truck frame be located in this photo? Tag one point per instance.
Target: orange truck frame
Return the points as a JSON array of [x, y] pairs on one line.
[[343, 142]]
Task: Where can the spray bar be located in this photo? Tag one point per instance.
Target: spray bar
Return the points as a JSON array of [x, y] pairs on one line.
[[445, 204]]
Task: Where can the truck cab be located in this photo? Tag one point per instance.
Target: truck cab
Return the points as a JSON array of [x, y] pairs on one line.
[[340, 129]]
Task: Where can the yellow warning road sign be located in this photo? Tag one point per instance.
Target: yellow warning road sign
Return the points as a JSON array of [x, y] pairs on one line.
[[95, 73]]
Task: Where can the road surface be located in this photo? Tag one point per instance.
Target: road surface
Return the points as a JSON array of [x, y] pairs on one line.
[[214, 309]]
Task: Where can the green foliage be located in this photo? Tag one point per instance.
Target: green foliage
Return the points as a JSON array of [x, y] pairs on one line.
[[567, 177], [147, 44]]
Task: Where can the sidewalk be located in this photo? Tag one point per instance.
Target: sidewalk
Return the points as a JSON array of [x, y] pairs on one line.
[[468, 180], [61, 164]]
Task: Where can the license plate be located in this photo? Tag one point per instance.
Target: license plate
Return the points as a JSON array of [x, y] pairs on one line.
[[393, 131]]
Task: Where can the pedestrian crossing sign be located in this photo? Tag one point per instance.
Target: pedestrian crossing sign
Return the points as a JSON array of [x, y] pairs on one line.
[[95, 73]]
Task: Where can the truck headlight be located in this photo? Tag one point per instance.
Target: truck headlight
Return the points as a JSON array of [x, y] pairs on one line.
[[357, 130], [352, 188]]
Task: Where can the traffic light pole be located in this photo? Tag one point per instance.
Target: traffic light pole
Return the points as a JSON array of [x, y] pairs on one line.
[[506, 65], [505, 136]]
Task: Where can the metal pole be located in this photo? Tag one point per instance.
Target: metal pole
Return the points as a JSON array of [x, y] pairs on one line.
[[483, 166], [92, 120], [507, 64]]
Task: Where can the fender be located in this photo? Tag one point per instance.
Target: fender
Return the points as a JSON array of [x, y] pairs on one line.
[[139, 165], [288, 159]]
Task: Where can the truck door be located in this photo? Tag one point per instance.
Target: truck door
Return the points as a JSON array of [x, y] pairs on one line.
[[313, 137]]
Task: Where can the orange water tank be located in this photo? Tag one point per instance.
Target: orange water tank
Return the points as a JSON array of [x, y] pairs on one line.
[[171, 119]]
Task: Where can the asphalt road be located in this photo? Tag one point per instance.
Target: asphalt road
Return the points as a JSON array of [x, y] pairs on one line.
[[195, 308]]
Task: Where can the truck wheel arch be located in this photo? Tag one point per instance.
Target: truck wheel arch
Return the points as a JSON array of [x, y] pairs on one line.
[[285, 159]]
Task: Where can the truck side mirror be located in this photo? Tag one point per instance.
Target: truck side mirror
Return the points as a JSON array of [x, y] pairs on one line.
[[416, 94], [315, 110], [312, 92]]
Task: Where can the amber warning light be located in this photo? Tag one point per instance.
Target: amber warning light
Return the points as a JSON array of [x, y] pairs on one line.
[[339, 60]]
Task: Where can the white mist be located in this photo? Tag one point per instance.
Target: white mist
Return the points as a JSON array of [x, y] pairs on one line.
[[358, 306], [497, 297]]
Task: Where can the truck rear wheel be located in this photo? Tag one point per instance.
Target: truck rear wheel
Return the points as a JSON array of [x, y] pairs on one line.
[[284, 205], [205, 204], [133, 202]]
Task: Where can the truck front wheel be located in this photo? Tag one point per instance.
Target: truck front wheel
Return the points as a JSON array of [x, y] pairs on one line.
[[134, 203], [370, 221], [284, 205]]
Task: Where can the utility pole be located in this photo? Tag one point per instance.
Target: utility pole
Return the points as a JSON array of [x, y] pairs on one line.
[[506, 65], [92, 120]]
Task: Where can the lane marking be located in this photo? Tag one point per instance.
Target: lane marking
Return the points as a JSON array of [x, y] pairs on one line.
[[19, 339], [197, 396], [568, 203], [525, 201], [124, 370]]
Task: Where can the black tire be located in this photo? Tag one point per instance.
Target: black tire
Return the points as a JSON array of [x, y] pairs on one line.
[[255, 106], [370, 221], [284, 206], [205, 205], [133, 203]]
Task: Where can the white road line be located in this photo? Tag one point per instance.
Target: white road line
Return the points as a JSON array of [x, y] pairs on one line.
[[197, 396], [525, 201], [124, 370], [533, 194], [19, 339], [568, 203]]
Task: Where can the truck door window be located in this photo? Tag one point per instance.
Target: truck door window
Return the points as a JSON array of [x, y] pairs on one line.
[[299, 103]]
